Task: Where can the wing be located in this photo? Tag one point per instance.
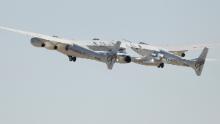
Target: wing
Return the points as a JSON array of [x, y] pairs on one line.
[[51, 43], [185, 48], [180, 51], [41, 36]]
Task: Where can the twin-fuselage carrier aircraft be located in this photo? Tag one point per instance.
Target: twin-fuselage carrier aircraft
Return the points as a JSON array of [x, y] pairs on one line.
[[111, 52]]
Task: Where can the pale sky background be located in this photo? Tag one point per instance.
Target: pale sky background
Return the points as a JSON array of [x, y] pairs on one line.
[[38, 86]]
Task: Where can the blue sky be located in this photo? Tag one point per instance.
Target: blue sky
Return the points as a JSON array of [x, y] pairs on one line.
[[40, 86]]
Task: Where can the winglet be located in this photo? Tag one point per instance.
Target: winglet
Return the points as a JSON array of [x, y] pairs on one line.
[[199, 62], [116, 47]]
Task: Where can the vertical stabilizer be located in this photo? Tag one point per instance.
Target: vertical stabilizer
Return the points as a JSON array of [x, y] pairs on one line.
[[111, 58], [199, 62]]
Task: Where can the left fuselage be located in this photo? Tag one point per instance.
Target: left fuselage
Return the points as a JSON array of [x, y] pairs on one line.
[[81, 51]]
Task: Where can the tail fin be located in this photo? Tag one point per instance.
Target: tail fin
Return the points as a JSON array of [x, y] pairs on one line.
[[116, 47], [111, 58], [199, 62]]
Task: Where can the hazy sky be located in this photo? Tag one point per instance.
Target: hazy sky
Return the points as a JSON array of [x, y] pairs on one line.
[[38, 86]]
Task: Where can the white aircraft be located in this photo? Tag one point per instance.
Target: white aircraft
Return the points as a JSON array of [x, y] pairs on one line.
[[156, 56], [74, 50], [110, 52]]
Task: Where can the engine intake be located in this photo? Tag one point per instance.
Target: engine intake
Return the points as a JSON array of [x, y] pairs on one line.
[[127, 59], [183, 55], [43, 45]]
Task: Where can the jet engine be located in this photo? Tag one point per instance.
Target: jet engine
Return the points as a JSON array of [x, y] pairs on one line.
[[37, 42], [183, 55], [123, 59], [179, 53]]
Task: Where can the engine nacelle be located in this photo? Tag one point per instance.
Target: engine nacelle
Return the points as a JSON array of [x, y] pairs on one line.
[[50, 46], [179, 53], [37, 42], [183, 55], [123, 59]]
